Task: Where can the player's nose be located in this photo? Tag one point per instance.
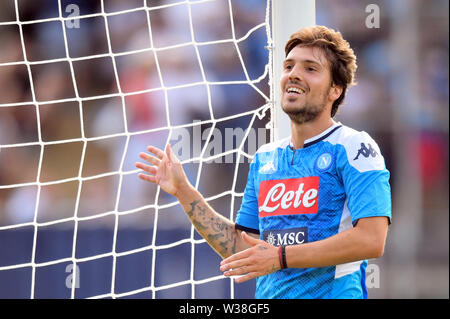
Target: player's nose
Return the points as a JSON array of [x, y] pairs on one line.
[[295, 74]]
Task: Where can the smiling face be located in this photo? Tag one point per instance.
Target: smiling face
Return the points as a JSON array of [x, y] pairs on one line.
[[306, 86]]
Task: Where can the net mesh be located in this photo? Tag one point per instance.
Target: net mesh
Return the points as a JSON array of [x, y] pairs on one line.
[[98, 83]]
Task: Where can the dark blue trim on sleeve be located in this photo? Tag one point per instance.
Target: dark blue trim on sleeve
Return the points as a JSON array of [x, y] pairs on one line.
[[356, 221], [246, 229]]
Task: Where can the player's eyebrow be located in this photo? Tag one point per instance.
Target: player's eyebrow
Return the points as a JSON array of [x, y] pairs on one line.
[[307, 61], [312, 62]]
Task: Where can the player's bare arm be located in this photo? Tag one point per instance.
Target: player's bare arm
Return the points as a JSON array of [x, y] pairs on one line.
[[217, 230], [167, 172], [365, 241]]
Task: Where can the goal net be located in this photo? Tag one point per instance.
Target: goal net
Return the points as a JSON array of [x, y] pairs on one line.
[[87, 85]]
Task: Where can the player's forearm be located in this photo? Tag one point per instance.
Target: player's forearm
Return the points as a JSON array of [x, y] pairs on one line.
[[351, 245], [217, 230]]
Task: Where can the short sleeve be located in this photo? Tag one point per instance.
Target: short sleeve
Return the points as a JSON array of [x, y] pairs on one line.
[[247, 216], [365, 178]]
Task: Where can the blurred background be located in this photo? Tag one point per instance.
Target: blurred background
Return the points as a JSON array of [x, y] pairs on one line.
[[146, 72]]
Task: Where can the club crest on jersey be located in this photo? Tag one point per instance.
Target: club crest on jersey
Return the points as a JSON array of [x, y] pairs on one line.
[[289, 196], [324, 161]]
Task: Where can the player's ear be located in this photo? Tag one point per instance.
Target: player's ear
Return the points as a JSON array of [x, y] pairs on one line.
[[335, 92]]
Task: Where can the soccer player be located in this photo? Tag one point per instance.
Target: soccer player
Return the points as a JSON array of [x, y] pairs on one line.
[[316, 205]]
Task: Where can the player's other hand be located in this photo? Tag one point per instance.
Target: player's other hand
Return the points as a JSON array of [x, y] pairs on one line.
[[258, 260], [165, 170]]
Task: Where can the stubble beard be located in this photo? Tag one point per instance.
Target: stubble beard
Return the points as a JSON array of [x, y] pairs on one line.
[[307, 112]]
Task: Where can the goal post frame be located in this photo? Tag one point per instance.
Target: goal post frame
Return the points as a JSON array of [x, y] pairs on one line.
[[288, 16]]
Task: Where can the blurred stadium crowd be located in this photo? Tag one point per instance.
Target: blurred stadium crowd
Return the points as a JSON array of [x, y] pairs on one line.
[[404, 107], [97, 81]]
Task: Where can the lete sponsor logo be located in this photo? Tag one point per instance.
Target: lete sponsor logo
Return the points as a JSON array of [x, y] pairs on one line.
[[289, 196]]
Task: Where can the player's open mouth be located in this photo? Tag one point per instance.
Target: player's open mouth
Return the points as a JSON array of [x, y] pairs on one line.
[[295, 90]]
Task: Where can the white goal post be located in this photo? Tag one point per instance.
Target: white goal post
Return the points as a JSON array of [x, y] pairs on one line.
[[288, 16]]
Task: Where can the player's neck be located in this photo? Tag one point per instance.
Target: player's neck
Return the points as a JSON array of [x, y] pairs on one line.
[[301, 132]]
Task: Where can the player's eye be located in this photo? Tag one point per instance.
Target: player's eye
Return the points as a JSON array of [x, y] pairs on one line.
[[288, 67]]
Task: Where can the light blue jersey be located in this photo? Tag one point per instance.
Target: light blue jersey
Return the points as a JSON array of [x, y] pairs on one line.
[[305, 195]]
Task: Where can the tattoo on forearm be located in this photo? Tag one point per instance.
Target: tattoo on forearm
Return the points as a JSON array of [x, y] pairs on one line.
[[193, 205], [217, 232]]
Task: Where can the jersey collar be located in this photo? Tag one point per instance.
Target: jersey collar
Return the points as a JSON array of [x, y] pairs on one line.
[[321, 136]]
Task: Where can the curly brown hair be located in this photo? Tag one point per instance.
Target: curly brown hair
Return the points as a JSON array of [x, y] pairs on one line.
[[338, 52]]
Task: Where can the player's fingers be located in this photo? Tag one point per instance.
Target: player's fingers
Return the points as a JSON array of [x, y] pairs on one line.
[[171, 155], [147, 168], [247, 277], [159, 153], [148, 178], [167, 151], [249, 239], [240, 255], [234, 264], [149, 158], [241, 270]]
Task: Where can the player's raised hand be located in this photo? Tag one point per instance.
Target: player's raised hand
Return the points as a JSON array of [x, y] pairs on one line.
[[258, 260], [165, 171]]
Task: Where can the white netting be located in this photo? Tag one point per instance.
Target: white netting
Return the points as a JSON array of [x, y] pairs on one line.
[[192, 73]]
